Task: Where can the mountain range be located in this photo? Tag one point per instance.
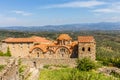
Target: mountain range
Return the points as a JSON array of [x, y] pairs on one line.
[[67, 27]]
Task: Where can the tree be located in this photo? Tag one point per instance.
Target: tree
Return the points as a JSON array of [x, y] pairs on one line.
[[8, 53]]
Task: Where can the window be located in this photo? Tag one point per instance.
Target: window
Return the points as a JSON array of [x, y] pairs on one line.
[[62, 50], [89, 49], [83, 49], [37, 54]]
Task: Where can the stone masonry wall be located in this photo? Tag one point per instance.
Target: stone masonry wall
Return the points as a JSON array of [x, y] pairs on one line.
[[39, 62]]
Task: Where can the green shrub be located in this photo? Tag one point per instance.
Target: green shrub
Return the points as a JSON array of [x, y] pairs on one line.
[[1, 53], [86, 64], [8, 53], [46, 66], [2, 67]]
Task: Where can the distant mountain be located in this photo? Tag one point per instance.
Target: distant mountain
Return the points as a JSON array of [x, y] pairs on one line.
[[68, 27]]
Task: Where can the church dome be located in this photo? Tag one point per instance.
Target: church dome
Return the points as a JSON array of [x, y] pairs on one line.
[[64, 37]]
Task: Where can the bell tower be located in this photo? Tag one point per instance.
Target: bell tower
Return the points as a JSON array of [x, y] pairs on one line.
[[86, 47]]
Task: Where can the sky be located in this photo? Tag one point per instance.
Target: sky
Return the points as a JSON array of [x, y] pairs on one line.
[[57, 12]]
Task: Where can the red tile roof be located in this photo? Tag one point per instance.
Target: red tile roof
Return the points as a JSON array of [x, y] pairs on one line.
[[30, 39], [40, 39], [84, 39], [18, 40], [43, 47]]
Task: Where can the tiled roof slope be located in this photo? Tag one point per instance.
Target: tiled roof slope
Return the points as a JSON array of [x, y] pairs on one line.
[[18, 40], [30, 39], [43, 47], [84, 39]]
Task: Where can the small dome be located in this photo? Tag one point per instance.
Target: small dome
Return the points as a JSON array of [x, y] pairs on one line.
[[64, 37]]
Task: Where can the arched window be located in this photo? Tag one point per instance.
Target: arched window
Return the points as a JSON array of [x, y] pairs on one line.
[[89, 49], [37, 54], [62, 50], [83, 49]]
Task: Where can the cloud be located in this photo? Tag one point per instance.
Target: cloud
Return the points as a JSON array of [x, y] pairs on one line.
[[110, 8], [22, 13], [106, 10], [76, 4]]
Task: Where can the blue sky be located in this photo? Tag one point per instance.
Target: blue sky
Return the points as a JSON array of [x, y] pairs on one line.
[[55, 12]]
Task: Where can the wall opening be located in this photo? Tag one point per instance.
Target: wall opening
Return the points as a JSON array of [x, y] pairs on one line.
[[89, 49], [83, 49]]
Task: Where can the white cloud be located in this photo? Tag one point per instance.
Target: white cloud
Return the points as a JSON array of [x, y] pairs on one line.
[[110, 8], [106, 10], [76, 4], [22, 13]]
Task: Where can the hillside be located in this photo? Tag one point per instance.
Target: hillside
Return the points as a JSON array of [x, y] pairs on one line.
[[67, 27]]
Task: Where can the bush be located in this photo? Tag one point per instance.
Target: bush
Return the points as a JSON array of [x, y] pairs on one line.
[[86, 64], [46, 66], [2, 67], [1, 53], [8, 53]]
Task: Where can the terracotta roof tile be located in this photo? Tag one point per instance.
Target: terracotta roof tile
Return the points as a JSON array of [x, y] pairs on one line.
[[43, 47], [83, 39], [40, 39], [64, 37], [18, 40], [30, 39]]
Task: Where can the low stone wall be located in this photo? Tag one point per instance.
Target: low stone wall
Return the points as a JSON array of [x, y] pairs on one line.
[[36, 62], [32, 62]]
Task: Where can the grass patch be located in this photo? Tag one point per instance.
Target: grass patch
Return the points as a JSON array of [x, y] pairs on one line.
[[72, 74]]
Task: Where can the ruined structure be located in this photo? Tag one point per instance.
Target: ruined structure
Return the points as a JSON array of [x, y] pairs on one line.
[[38, 47]]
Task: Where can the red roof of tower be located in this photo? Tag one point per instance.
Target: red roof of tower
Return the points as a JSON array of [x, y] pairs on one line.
[[84, 39]]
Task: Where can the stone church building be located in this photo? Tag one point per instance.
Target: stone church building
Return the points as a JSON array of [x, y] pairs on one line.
[[39, 47]]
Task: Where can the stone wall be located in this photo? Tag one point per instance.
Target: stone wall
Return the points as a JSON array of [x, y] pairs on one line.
[[5, 60], [17, 49], [36, 62]]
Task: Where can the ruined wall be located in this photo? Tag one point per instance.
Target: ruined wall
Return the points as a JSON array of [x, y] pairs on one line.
[[5, 60], [10, 71]]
